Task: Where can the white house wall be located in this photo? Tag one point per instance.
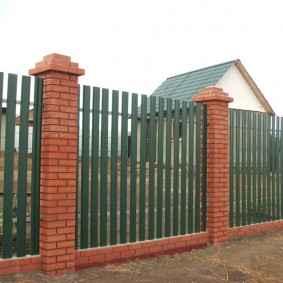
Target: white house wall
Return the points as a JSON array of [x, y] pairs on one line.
[[237, 87]]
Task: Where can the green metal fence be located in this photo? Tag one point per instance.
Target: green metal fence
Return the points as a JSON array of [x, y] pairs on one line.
[[256, 164], [142, 169], [19, 168]]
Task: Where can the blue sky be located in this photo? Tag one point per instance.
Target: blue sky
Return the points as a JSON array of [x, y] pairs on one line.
[[135, 45]]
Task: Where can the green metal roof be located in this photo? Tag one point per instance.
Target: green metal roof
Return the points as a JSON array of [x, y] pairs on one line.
[[186, 86]]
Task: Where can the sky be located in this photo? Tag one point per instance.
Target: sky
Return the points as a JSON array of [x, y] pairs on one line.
[[133, 45]]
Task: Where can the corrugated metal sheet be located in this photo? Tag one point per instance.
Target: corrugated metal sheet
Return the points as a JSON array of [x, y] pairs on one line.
[[231, 76], [186, 86]]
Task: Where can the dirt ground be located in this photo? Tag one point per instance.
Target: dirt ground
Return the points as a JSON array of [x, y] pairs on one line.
[[257, 258]]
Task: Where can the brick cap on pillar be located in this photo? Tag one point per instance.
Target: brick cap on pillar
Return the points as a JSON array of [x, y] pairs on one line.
[[212, 93], [59, 63]]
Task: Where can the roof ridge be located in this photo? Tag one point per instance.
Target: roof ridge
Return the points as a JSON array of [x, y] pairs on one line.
[[201, 69]]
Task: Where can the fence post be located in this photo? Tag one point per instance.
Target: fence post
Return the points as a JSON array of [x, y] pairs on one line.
[[58, 162], [217, 221]]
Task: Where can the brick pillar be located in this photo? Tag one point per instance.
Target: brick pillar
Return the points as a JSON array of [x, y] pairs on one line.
[[217, 162], [58, 162]]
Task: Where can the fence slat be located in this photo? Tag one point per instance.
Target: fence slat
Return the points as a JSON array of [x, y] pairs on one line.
[[249, 158], [114, 180], [35, 177], [94, 167], [85, 167], [273, 166], [142, 168], [268, 168], [133, 178], [204, 166], [1, 99], [276, 157], [254, 169], [151, 177], [281, 165], [264, 168], [259, 188], [9, 167], [238, 120], [159, 218], [22, 167], [176, 169], [124, 156], [244, 150], [168, 169], [232, 137], [77, 176], [104, 168], [191, 169], [197, 170], [184, 168]]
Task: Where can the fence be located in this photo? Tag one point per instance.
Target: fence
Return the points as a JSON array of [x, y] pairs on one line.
[[161, 183], [124, 199], [20, 172], [256, 166]]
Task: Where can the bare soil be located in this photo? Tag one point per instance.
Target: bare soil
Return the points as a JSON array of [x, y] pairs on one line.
[[257, 258]]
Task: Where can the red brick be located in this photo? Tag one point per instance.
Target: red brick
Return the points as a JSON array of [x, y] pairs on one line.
[[67, 203], [30, 267], [52, 253], [50, 122], [173, 240], [65, 244], [148, 244], [88, 253], [36, 259], [50, 108], [54, 155], [135, 246], [161, 242], [180, 244], [155, 249], [65, 230], [68, 109], [142, 251], [8, 270], [49, 148], [128, 253], [112, 256], [53, 238], [46, 232], [73, 90], [53, 224], [120, 248], [53, 266], [5, 263], [71, 236], [168, 246], [96, 258], [49, 259], [105, 250]]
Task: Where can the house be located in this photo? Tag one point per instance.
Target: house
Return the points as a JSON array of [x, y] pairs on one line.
[[231, 76]]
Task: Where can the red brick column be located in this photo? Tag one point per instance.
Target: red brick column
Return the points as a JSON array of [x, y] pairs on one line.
[[58, 162], [217, 162]]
